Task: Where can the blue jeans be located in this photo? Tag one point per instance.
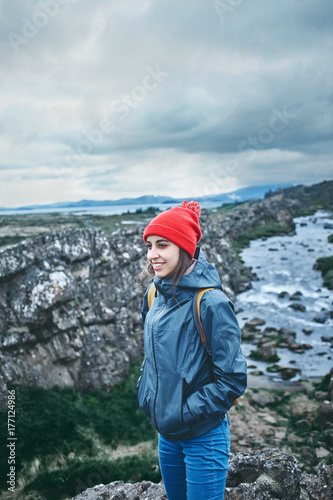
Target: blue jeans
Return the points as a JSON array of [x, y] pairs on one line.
[[196, 469]]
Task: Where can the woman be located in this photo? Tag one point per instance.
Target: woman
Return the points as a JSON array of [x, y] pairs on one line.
[[184, 391]]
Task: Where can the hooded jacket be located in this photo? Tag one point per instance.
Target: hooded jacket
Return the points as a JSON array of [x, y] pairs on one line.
[[176, 388]]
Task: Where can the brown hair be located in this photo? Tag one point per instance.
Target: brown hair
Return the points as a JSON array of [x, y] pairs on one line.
[[147, 274]]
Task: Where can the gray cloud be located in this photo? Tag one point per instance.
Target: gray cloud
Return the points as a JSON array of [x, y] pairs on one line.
[[95, 95]]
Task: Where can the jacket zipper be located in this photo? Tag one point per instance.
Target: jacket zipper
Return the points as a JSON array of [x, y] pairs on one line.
[[182, 399], [153, 344]]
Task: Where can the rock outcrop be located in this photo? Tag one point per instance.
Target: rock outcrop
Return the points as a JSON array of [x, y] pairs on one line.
[[70, 309], [304, 196], [265, 475]]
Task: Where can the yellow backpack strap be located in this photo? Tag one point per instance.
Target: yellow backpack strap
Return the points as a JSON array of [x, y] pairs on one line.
[[196, 313], [151, 295], [200, 294]]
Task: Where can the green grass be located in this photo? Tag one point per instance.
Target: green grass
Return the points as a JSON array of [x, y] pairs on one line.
[[323, 385], [225, 207], [56, 426], [303, 212], [270, 228], [11, 240], [320, 203]]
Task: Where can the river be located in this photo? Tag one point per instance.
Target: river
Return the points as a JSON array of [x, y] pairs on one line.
[[285, 264]]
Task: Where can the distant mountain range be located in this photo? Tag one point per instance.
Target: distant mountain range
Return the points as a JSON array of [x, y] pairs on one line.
[[240, 195]]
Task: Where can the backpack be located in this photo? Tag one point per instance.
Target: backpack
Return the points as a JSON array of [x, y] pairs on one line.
[[196, 316]]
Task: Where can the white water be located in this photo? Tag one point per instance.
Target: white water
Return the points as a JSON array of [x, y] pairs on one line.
[[289, 267]]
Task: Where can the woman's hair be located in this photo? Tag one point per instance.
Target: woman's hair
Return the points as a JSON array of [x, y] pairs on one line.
[[147, 274]]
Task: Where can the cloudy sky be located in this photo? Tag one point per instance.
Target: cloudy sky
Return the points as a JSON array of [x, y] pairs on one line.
[[107, 99]]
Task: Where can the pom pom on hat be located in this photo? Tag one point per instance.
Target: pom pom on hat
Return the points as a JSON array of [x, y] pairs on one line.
[[192, 205], [179, 225]]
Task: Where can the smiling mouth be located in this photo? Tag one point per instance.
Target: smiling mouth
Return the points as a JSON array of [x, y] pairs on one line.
[[157, 265]]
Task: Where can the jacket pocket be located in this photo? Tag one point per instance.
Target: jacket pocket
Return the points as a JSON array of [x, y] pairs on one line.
[[169, 409]]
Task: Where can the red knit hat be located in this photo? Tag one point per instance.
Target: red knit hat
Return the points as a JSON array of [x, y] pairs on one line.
[[179, 225]]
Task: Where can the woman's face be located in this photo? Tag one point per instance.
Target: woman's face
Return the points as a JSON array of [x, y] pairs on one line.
[[163, 255]]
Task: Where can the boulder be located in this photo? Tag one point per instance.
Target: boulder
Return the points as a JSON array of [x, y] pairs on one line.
[[288, 372], [322, 316], [262, 399], [254, 322], [318, 487], [118, 490], [298, 307], [263, 475], [265, 352], [325, 414]]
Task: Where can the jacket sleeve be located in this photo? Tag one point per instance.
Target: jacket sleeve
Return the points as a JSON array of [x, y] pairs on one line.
[[223, 335], [145, 308]]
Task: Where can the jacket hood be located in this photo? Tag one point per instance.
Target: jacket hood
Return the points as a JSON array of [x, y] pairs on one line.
[[204, 275]]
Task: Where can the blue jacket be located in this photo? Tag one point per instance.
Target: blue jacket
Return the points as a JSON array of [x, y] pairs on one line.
[[175, 388]]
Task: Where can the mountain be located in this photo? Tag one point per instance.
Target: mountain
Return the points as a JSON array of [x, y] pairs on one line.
[[248, 193], [240, 195], [142, 200]]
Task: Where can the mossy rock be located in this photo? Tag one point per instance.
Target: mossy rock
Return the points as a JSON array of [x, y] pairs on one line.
[[328, 281], [273, 369], [258, 356], [325, 265]]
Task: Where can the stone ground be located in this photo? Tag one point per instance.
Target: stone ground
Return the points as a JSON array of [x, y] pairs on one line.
[[257, 425]]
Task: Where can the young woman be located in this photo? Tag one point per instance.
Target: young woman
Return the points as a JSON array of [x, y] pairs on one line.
[[183, 390]]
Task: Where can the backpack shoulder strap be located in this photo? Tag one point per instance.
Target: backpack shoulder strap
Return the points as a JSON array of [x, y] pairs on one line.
[[196, 315], [151, 295]]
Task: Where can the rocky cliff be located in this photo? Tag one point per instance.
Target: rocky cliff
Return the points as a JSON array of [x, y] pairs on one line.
[[70, 301]]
